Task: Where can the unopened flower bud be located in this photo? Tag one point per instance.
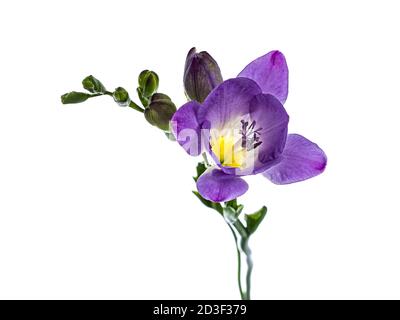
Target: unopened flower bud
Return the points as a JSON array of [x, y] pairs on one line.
[[93, 85], [201, 75], [159, 113], [74, 97], [148, 82], [121, 97], [159, 96]]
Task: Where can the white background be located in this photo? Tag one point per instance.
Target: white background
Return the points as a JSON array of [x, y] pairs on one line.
[[96, 203]]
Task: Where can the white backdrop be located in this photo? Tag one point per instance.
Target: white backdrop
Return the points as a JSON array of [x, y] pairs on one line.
[[96, 203]]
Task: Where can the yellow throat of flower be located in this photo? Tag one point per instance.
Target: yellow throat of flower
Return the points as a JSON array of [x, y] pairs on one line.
[[227, 151]]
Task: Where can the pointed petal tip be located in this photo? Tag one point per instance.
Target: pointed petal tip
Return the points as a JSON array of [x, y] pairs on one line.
[[277, 57], [270, 71], [191, 51]]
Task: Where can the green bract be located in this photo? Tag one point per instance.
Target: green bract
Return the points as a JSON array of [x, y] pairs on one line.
[[253, 220]]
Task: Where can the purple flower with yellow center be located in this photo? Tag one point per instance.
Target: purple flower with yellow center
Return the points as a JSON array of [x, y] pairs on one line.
[[243, 126]]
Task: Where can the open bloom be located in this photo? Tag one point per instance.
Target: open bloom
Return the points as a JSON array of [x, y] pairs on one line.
[[243, 126]]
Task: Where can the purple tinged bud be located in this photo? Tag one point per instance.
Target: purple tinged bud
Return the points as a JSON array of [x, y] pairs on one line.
[[160, 111], [201, 75]]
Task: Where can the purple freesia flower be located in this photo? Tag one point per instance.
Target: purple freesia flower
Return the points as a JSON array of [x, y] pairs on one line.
[[243, 125]]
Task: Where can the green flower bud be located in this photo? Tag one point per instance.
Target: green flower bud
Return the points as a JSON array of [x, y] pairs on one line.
[[93, 85], [143, 100], [159, 113], [74, 97], [142, 78], [121, 96], [159, 96], [148, 82]]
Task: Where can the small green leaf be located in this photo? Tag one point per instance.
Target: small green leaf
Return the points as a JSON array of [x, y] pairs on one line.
[[213, 205], [93, 85], [200, 169], [74, 97], [253, 220], [233, 204], [207, 203]]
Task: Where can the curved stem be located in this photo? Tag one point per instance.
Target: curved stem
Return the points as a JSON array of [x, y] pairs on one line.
[[134, 106], [245, 263]]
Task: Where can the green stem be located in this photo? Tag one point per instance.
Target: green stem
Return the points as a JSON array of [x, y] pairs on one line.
[[96, 95], [136, 107], [204, 155], [245, 263], [132, 104]]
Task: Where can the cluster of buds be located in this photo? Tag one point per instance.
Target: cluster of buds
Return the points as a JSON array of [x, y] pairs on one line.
[[201, 76], [159, 108], [91, 84]]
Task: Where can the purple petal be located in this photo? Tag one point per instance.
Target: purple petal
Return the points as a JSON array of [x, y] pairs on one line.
[[186, 128], [271, 74], [228, 101], [218, 186], [301, 160], [271, 117]]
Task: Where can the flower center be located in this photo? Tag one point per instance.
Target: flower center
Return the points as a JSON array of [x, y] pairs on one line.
[[250, 135], [232, 146], [227, 152]]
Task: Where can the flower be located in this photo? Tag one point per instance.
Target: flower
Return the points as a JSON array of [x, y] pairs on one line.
[[243, 125], [201, 75]]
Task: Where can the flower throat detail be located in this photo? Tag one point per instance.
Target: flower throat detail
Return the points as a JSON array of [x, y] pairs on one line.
[[250, 135], [231, 149]]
